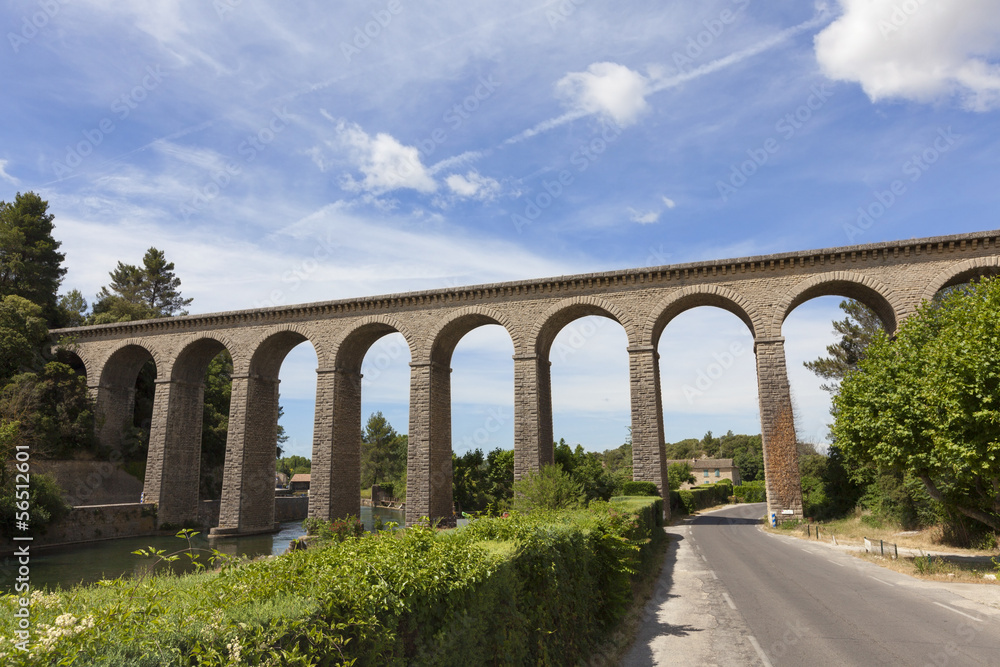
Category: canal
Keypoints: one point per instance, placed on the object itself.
(86, 563)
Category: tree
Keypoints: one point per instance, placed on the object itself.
(856, 333)
(215, 424)
(383, 452)
(72, 309)
(551, 487)
(282, 436)
(679, 474)
(138, 293)
(22, 334)
(160, 287)
(54, 409)
(929, 402)
(44, 502)
(293, 465)
(30, 261)
(587, 469)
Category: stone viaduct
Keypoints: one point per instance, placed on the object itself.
(892, 278)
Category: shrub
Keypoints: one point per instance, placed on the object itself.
(548, 488)
(543, 588)
(337, 530)
(751, 492)
(639, 489)
(45, 502)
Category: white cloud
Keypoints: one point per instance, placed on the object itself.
(5, 176)
(474, 185)
(643, 217)
(608, 89)
(917, 50)
(668, 202)
(386, 163)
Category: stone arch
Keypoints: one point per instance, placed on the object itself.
(351, 347)
(693, 297)
(123, 356)
(960, 273)
(269, 350)
(190, 364)
(75, 358)
(869, 291)
(114, 388)
(442, 343)
(552, 321)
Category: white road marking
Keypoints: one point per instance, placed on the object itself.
(977, 620)
(880, 581)
(836, 563)
(728, 600)
(760, 652)
(714, 575)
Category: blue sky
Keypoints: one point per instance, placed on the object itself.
(290, 153)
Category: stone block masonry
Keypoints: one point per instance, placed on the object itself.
(892, 278)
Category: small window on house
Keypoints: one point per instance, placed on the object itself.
(716, 472)
(706, 473)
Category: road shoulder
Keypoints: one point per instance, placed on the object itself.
(690, 618)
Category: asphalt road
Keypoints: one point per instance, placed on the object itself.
(734, 595)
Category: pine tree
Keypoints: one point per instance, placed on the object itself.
(138, 293)
(30, 261)
(160, 287)
(856, 331)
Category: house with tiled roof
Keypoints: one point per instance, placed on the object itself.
(299, 482)
(710, 471)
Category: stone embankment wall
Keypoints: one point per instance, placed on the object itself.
(93, 523)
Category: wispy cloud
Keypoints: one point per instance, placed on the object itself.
(614, 91)
(5, 176)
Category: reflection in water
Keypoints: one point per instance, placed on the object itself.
(86, 563)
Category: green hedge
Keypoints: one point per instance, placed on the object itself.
(632, 488)
(751, 492)
(544, 588)
(700, 497)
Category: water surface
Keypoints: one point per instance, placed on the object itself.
(86, 563)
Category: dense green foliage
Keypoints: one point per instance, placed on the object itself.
(746, 451)
(631, 488)
(833, 487)
(481, 483)
(30, 261)
(141, 292)
(215, 424)
(54, 410)
(856, 332)
(383, 453)
(679, 474)
(22, 336)
(293, 465)
(751, 492)
(486, 483)
(545, 588)
(550, 488)
(928, 402)
(599, 480)
(689, 501)
(40, 503)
